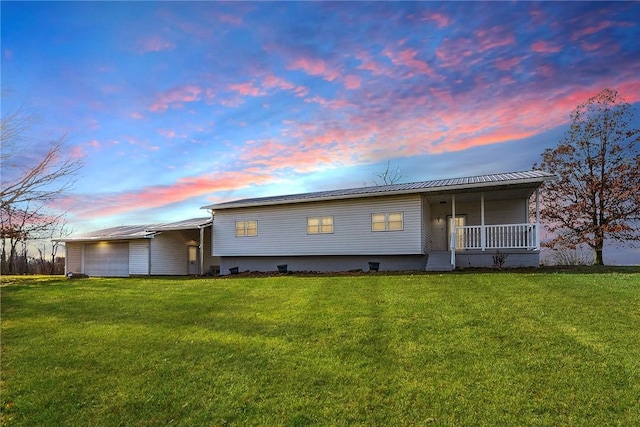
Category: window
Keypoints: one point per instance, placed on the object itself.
(387, 222)
(320, 225)
(246, 228)
(193, 254)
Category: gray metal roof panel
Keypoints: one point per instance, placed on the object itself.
(125, 232)
(187, 224)
(531, 177)
(133, 232)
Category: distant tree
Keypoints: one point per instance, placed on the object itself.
(597, 194)
(388, 176)
(29, 183)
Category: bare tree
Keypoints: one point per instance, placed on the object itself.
(29, 183)
(43, 180)
(597, 193)
(389, 176)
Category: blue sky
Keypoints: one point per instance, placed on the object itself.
(177, 105)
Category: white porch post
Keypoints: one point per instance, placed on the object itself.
(483, 231)
(453, 241)
(537, 219)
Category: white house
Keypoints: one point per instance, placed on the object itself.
(159, 249)
(432, 225)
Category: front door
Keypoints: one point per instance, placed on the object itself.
(193, 260)
(461, 221)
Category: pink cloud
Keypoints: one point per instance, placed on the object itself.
(77, 152)
(591, 47)
(440, 19)
(314, 67)
(246, 89)
(407, 58)
(271, 81)
(268, 83)
(368, 64)
(453, 53)
(253, 151)
(100, 205)
(493, 38)
(8, 54)
(507, 64)
(352, 81)
(545, 47)
(331, 104)
(170, 133)
(176, 97)
(578, 34)
(136, 115)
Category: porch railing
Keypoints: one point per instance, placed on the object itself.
(504, 236)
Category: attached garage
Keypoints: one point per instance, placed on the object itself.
(110, 259)
(155, 249)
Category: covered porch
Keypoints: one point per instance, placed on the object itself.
(467, 229)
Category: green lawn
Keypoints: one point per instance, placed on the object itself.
(484, 348)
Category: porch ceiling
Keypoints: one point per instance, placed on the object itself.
(474, 195)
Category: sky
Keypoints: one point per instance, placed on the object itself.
(176, 105)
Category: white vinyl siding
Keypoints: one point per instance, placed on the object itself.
(283, 228)
(170, 251)
(139, 257)
(109, 259)
(73, 257)
(426, 225)
(504, 212)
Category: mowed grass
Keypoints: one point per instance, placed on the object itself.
(465, 349)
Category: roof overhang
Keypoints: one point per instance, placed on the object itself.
(193, 224)
(137, 232)
(81, 239)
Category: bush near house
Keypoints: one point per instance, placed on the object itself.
(479, 348)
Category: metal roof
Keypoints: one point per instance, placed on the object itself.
(133, 232)
(188, 224)
(125, 232)
(529, 179)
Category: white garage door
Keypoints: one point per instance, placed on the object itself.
(107, 259)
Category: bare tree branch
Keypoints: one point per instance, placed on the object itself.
(29, 183)
(389, 176)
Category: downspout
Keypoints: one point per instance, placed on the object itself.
(201, 250)
(82, 258)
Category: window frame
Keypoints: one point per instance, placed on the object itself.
(375, 220)
(320, 224)
(244, 230)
